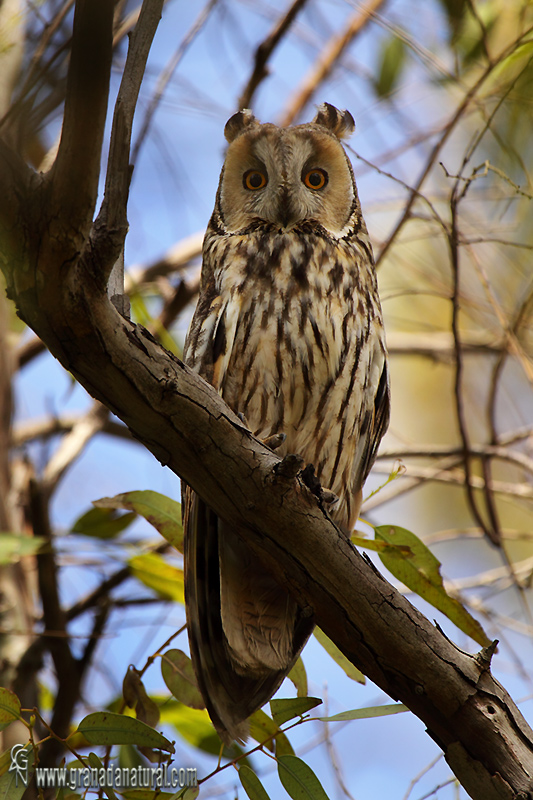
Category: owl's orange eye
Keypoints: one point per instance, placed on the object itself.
(316, 179)
(253, 179)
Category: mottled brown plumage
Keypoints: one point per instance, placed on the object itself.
(288, 328)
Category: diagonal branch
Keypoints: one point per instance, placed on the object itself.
(265, 50)
(112, 223)
(328, 59)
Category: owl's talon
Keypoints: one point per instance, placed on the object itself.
(311, 481)
(288, 467)
(243, 420)
(328, 497)
(274, 441)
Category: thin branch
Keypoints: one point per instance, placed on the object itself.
(483, 451)
(176, 259)
(167, 74)
(328, 59)
(433, 156)
(265, 50)
(73, 444)
(112, 224)
(43, 429)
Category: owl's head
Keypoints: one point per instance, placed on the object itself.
(286, 176)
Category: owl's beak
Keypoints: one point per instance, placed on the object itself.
(287, 214)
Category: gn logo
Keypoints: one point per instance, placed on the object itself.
(19, 763)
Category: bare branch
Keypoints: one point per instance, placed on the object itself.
(73, 445)
(29, 431)
(328, 59)
(265, 50)
(112, 224)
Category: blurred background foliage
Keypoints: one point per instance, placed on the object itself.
(442, 94)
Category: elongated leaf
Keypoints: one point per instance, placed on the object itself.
(188, 793)
(178, 674)
(9, 708)
(14, 545)
(299, 780)
(251, 784)
(392, 59)
(97, 763)
(160, 511)
(298, 676)
(136, 697)
(420, 571)
(262, 726)
(105, 727)
(102, 523)
(286, 709)
(146, 794)
(332, 650)
(165, 579)
(193, 725)
(366, 713)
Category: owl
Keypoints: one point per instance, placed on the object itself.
(288, 329)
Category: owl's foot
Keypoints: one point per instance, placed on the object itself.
(274, 441)
(311, 481)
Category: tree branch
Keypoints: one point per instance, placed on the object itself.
(265, 50)
(112, 223)
(183, 421)
(76, 171)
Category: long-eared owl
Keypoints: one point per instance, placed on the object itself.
(288, 329)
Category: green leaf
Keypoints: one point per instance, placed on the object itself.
(251, 784)
(104, 727)
(366, 713)
(141, 314)
(147, 794)
(165, 579)
(160, 511)
(102, 523)
(188, 793)
(96, 763)
(262, 727)
(178, 674)
(288, 708)
(299, 780)
(339, 658)
(298, 676)
(392, 58)
(193, 725)
(9, 708)
(15, 545)
(136, 697)
(369, 544)
(411, 562)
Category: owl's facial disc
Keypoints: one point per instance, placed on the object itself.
(285, 177)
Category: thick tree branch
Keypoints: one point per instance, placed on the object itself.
(76, 171)
(187, 426)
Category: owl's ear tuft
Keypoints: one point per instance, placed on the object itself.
(340, 123)
(238, 123)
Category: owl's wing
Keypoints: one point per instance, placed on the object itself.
(230, 696)
(375, 423)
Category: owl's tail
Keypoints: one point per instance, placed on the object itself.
(245, 631)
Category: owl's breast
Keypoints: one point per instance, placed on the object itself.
(295, 350)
